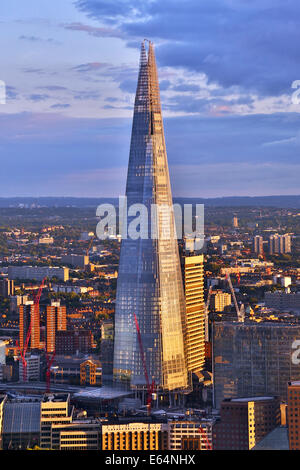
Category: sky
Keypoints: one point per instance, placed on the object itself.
(228, 72)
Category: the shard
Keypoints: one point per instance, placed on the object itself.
(149, 280)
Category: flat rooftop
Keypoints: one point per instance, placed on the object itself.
(102, 393)
(246, 399)
(55, 397)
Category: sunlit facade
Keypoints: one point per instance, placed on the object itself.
(149, 280)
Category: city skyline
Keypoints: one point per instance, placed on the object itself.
(228, 104)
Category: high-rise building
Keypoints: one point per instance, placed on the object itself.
(235, 221)
(244, 422)
(254, 359)
(193, 275)
(56, 320)
(29, 314)
(258, 244)
(280, 244)
(149, 281)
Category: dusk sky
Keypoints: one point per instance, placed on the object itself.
(226, 69)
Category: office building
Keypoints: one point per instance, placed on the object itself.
(56, 320)
(254, 359)
(149, 280)
(38, 272)
(244, 422)
(135, 436)
(55, 408)
(76, 261)
(193, 281)
(283, 301)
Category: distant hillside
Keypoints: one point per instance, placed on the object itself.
(234, 201)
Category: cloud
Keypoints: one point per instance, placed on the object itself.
(38, 97)
(60, 106)
(94, 31)
(38, 39)
(90, 67)
(252, 45)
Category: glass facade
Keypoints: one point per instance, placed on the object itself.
(253, 359)
(149, 279)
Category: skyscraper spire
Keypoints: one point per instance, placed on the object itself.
(149, 280)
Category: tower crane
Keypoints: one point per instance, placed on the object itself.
(89, 246)
(240, 311)
(150, 387)
(206, 327)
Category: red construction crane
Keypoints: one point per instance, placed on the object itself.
(49, 360)
(150, 387)
(22, 352)
(203, 432)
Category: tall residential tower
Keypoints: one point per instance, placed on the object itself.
(149, 280)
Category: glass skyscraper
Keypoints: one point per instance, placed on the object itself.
(149, 280)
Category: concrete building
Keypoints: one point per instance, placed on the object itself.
(244, 422)
(220, 300)
(182, 433)
(37, 272)
(33, 368)
(76, 261)
(135, 436)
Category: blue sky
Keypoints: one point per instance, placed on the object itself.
(225, 66)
